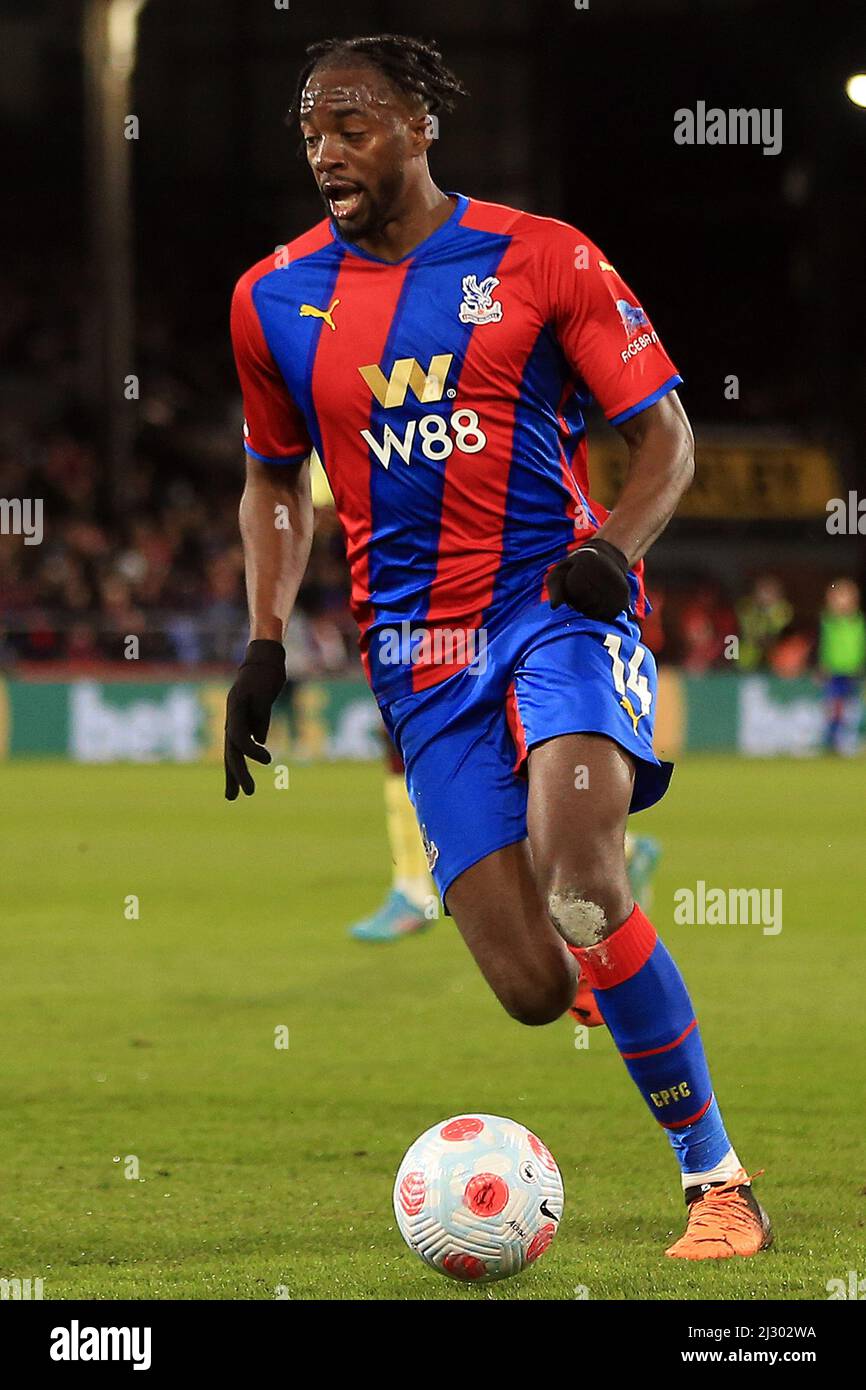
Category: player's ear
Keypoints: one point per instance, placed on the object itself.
(422, 132)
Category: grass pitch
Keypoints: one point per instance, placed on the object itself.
(266, 1172)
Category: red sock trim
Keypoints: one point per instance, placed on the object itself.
(692, 1119)
(654, 1051)
(620, 955)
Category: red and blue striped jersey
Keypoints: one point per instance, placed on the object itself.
(445, 394)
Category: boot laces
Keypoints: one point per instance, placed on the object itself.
(705, 1211)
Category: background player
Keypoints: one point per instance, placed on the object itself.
(842, 662)
(523, 769)
(409, 906)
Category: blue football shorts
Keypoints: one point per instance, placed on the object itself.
(465, 742)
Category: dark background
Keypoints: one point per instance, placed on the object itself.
(749, 264)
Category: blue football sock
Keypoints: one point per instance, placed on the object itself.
(645, 1004)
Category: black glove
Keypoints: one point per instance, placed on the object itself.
(248, 712)
(593, 579)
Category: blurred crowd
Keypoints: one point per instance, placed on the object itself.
(704, 628)
(171, 572)
(169, 568)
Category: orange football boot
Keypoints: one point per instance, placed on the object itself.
(725, 1219)
(584, 1009)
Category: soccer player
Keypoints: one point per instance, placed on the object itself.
(842, 663)
(440, 353)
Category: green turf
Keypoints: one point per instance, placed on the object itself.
(262, 1168)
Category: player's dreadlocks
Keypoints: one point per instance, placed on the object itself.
(410, 64)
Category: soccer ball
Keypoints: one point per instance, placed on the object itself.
(478, 1197)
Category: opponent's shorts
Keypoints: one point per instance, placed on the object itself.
(465, 742)
(842, 687)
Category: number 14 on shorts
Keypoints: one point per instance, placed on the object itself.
(629, 682)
